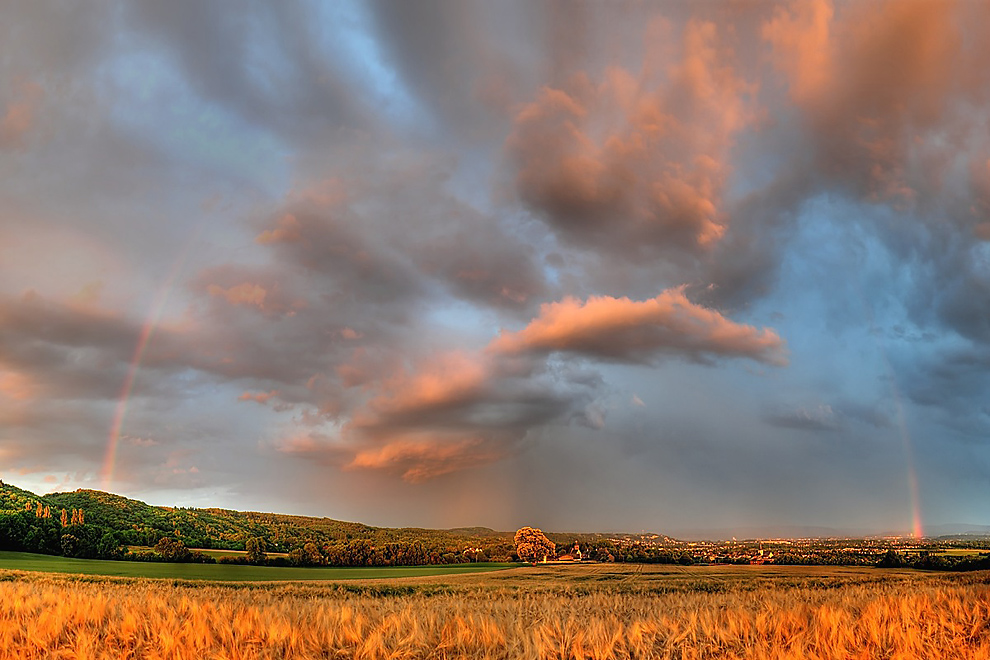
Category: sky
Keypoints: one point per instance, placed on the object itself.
(622, 266)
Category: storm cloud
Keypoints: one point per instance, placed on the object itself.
(461, 263)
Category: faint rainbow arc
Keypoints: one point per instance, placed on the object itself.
(914, 497)
(147, 330)
(917, 529)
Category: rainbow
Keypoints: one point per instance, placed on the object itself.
(914, 498)
(147, 330)
(917, 531)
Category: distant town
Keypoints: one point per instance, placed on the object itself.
(936, 553)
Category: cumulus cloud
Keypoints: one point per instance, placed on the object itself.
(874, 103)
(418, 459)
(457, 410)
(814, 418)
(331, 211)
(17, 386)
(635, 161)
(477, 407)
(344, 229)
(258, 397)
(20, 115)
(800, 35)
(871, 81)
(446, 381)
(286, 230)
(250, 288)
(64, 351)
(241, 294)
(291, 89)
(624, 330)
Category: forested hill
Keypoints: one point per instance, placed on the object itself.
(139, 523)
(136, 523)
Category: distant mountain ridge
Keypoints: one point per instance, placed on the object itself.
(821, 532)
(958, 529)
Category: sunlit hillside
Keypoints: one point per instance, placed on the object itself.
(137, 523)
(141, 523)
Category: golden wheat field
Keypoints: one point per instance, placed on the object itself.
(927, 617)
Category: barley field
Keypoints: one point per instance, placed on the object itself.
(797, 615)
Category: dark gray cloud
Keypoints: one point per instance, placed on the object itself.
(635, 161)
(404, 251)
(814, 418)
(878, 415)
(263, 63)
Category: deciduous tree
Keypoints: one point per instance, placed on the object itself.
(170, 549)
(532, 545)
(256, 550)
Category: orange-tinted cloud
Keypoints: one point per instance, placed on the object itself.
(456, 410)
(446, 380)
(17, 386)
(19, 115)
(241, 294)
(624, 330)
(418, 458)
(636, 161)
(872, 81)
(257, 288)
(286, 230)
(802, 47)
(461, 409)
(414, 456)
(258, 397)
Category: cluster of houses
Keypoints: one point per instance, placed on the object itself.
(573, 555)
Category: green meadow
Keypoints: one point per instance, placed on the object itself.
(25, 561)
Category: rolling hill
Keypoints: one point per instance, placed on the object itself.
(138, 523)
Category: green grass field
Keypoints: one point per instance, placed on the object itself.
(974, 553)
(24, 561)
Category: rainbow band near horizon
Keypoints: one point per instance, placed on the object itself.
(917, 530)
(147, 330)
(914, 497)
